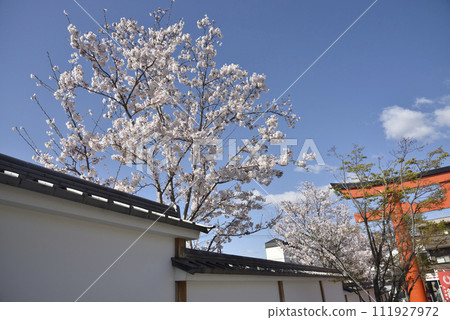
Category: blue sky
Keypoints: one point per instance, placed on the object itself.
(388, 76)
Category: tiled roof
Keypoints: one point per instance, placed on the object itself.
(440, 266)
(197, 261)
(438, 243)
(273, 243)
(25, 175)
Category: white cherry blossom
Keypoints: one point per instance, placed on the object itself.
(154, 92)
(318, 230)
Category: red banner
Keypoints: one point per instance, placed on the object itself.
(444, 279)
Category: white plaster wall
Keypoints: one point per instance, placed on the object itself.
(276, 254)
(353, 297)
(303, 289)
(215, 287)
(333, 291)
(46, 257)
(232, 291)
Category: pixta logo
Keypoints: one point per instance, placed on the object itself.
(228, 151)
(216, 150)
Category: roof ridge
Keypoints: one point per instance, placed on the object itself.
(195, 253)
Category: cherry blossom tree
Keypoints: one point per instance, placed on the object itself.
(318, 229)
(154, 99)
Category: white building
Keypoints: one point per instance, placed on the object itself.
(63, 239)
(275, 252)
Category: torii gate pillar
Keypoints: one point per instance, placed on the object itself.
(416, 286)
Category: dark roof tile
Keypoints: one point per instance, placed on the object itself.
(197, 261)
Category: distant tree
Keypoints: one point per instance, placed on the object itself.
(154, 98)
(431, 237)
(391, 203)
(320, 230)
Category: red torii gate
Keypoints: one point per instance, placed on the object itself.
(439, 176)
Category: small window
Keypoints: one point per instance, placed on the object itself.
(443, 259)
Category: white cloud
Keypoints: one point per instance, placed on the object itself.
(276, 199)
(421, 101)
(400, 123)
(316, 169)
(443, 116)
(445, 100)
(351, 177)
